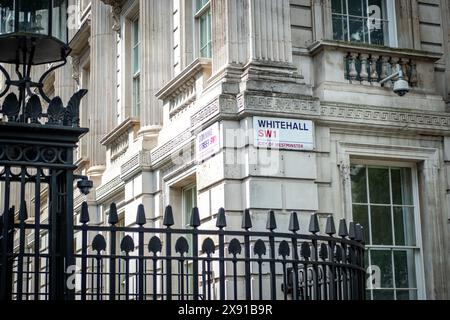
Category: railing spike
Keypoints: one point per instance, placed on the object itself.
(221, 219)
(314, 224)
(271, 221)
(168, 217)
(330, 228)
(141, 219)
(84, 216)
(352, 231)
(247, 220)
(195, 218)
(294, 226)
(23, 213)
(113, 218)
(343, 231)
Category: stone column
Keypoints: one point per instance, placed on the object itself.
(64, 82)
(318, 20)
(156, 60)
(249, 30)
(229, 33)
(103, 82)
(270, 30)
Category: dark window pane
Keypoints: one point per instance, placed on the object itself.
(383, 260)
(383, 295)
(405, 271)
(404, 226)
(201, 4)
(358, 30)
(339, 28)
(406, 294)
(355, 7)
(338, 6)
(359, 184)
(378, 32)
(361, 216)
(402, 186)
(381, 225)
(379, 186)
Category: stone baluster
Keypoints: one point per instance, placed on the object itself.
(404, 65)
(395, 62)
(384, 67)
(386, 70)
(413, 79)
(373, 68)
(352, 73)
(364, 74)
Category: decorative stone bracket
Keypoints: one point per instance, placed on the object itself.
(116, 11)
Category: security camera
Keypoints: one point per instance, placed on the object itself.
(401, 87)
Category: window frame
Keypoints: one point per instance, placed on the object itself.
(186, 215)
(418, 248)
(199, 13)
(390, 18)
(135, 44)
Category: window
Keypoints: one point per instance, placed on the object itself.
(189, 203)
(120, 263)
(136, 68)
(367, 21)
(189, 196)
(384, 203)
(204, 22)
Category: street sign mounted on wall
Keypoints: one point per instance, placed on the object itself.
(278, 133)
(208, 142)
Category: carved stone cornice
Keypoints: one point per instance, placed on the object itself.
(80, 40)
(365, 48)
(388, 117)
(182, 90)
(109, 189)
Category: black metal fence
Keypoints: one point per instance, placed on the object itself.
(140, 263)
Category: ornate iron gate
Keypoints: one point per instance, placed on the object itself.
(148, 263)
(38, 260)
(36, 185)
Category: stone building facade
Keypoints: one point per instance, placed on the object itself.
(164, 75)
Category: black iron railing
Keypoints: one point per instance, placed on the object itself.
(140, 263)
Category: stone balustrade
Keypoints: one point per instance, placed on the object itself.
(374, 67)
(364, 64)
